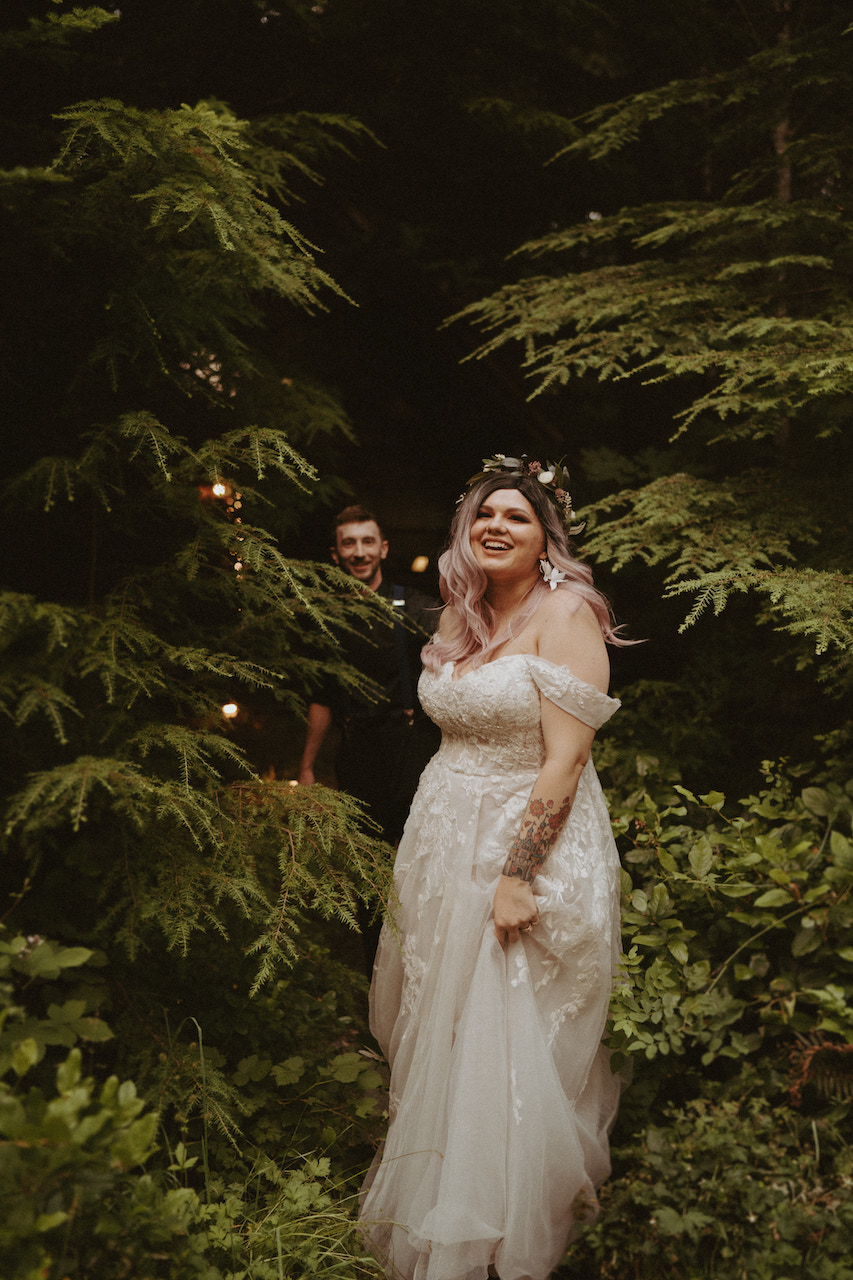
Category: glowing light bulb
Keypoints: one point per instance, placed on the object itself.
(420, 564)
(219, 490)
(230, 710)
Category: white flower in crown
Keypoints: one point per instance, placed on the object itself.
(552, 574)
(545, 477)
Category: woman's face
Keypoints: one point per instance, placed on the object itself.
(506, 537)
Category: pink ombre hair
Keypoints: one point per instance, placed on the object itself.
(463, 583)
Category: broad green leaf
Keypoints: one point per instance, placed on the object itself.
(667, 861)
(136, 1142)
(842, 850)
(817, 801)
(289, 1072)
(25, 1055)
(68, 1073)
(774, 898)
(701, 858)
(47, 1221)
(347, 1067)
(805, 941)
(48, 959)
(253, 1068)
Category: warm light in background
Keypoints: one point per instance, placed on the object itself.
(420, 564)
(230, 710)
(219, 490)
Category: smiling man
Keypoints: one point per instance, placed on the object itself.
(384, 745)
(359, 546)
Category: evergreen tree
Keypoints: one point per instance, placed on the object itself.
(728, 295)
(156, 434)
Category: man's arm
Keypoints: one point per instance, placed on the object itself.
(319, 720)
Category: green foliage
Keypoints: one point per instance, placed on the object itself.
(167, 242)
(56, 30)
(77, 1198)
(736, 927)
(731, 1156)
(733, 300)
(184, 166)
(135, 817)
(729, 1188)
(284, 1072)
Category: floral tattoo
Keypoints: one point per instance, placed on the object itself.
(541, 825)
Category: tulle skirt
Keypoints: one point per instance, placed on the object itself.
(501, 1093)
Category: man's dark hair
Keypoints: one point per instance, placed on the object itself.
(356, 514)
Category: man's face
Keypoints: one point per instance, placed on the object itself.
(359, 550)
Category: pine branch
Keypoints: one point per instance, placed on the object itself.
(62, 795)
(56, 30)
(22, 699)
(816, 604)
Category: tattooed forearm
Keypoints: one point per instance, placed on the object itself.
(542, 823)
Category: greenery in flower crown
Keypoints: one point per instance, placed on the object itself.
(554, 478)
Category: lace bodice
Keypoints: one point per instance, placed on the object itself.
(490, 718)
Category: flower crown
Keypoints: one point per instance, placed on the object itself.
(554, 479)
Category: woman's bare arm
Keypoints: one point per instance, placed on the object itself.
(571, 639)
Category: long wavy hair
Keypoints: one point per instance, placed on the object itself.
(463, 583)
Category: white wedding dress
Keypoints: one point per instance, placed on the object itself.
(501, 1093)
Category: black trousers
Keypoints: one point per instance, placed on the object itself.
(380, 762)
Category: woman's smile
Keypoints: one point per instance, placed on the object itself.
(507, 533)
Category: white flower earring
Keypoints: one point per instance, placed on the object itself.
(551, 575)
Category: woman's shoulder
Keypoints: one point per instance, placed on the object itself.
(565, 607)
(569, 635)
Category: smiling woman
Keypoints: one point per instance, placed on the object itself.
(491, 988)
(506, 537)
(478, 623)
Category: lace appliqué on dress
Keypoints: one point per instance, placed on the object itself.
(501, 1094)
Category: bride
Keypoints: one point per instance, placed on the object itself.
(493, 975)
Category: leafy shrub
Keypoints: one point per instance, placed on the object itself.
(283, 1071)
(736, 928)
(734, 1189)
(76, 1198)
(736, 1009)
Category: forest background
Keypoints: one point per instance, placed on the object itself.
(233, 235)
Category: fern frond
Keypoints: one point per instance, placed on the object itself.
(63, 794)
(29, 697)
(813, 603)
(22, 615)
(56, 29)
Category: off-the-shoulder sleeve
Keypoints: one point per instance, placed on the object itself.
(560, 686)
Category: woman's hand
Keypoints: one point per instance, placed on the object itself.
(515, 908)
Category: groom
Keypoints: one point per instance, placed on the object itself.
(384, 745)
